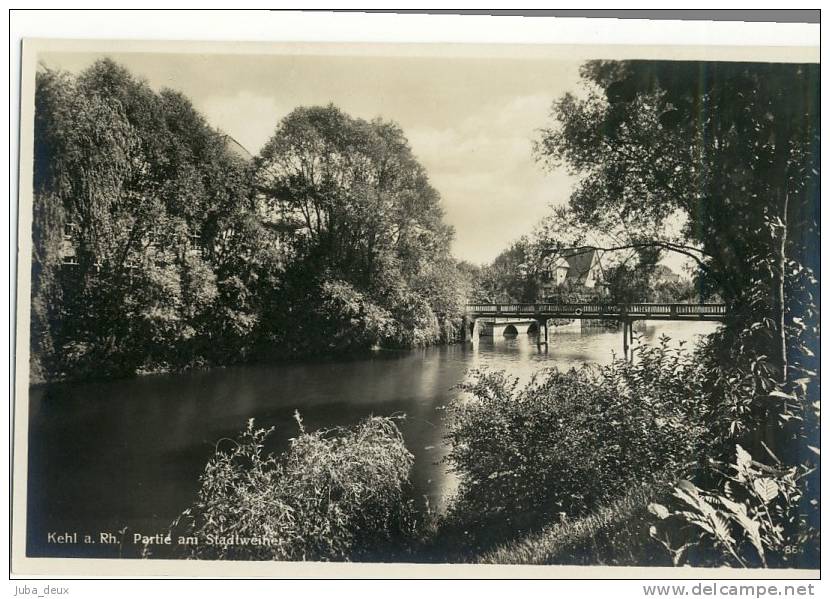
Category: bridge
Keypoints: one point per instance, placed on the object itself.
(626, 314)
(507, 326)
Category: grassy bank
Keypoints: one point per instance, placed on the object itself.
(616, 534)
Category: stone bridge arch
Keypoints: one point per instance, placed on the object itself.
(509, 330)
(479, 326)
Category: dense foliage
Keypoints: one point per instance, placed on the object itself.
(647, 282)
(332, 495)
(729, 145)
(363, 216)
(731, 151)
(568, 442)
(753, 519)
(131, 184)
(158, 244)
(509, 277)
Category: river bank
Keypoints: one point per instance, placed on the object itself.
(151, 436)
(450, 334)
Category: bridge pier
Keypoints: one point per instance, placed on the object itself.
(625, 331)
(498, 328)
(628, 338)
(542, 335)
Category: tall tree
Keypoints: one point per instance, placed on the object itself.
(368, 230)
(355, 190)
(732, 147)
(145, 190)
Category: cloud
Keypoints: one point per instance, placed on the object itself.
(493, 190)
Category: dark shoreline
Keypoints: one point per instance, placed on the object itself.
(314, 358)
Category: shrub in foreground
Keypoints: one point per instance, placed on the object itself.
(570, 441)
(753, 518)
(332, 495)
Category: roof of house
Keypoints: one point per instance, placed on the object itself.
(663, 272)
(237, 149)
(578, 262)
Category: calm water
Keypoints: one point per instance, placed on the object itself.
(107, 455)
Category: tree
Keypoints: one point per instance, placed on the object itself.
(364, 218)
(729, 146)
(512, 276)
(733, 149)
(87, 157)
(145, 189)
(355, 191)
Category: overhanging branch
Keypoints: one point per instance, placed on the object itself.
(694, 253)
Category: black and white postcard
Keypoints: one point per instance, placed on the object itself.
(321, 307)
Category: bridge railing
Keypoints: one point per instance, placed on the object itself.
(594, 309)
(701, 309)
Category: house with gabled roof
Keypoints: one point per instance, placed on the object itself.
(573, 268)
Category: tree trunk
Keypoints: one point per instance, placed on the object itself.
(782, 306)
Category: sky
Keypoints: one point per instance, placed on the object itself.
(470, 121)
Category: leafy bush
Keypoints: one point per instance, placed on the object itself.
(569, 441)
(332, 495)
(752, 520)
(415, 323)
(762, 390)
(348, 318)
(315, 313)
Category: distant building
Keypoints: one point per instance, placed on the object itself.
(574, 268)
(664, 274)
(237, 149)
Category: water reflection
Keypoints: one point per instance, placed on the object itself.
(129, 453)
